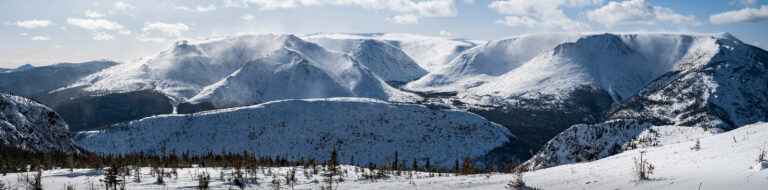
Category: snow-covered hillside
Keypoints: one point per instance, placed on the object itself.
(368, 129)
(32, 126)
(431, 53)
(725, 161)
(33, 80)
(582, 143)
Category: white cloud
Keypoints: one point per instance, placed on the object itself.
(524, 7)
(746, 3)
(41, 38)
(469, 1)
(446, 34)
(424, 8)
(406, 19)
(145, 38)
(102, 36)
(94, 24)
(248, 17)
(122, 5)
(529, 7)
(93, 14)
(125, 32)
(518, 21)
(436, 8)
(197, 9)
(24, 34)
(57, 46)
(637, 12)
(541, 14)
(235, 4)
(34, 23)
(581, 3)
(548, 20)
(745, 15)
(167, 28)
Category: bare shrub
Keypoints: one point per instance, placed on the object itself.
(642, 169)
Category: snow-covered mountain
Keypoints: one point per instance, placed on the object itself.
(487, 61)
(431, 53)
(620, 64)
(29, 125)
(710, 81)
(575, 82)
(368, 129)
(722, 85)
(304, 70)
(226, 72)
(385, 60)
(195, 71)
(34, 80)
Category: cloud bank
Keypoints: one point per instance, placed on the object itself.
(745, 15)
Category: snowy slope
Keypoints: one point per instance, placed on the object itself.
(620, 64)
(584, 143)
(487, 61)
(30, 81)
(29, 125)
(431, 53)
(203, 71)
(581, 143)
(382, 58)
(369, 129)
(724, 85)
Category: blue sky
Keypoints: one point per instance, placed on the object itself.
(45, 32)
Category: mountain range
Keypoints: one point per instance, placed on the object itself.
(558, 98)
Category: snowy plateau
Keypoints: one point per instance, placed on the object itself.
(564, 111)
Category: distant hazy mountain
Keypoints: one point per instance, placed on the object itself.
(28, 81)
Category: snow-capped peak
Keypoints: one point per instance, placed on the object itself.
(193, 70)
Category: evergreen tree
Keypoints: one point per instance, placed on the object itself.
(333, 170)
(468, 167)
(394, 163)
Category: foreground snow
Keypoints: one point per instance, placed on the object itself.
(725, 161)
